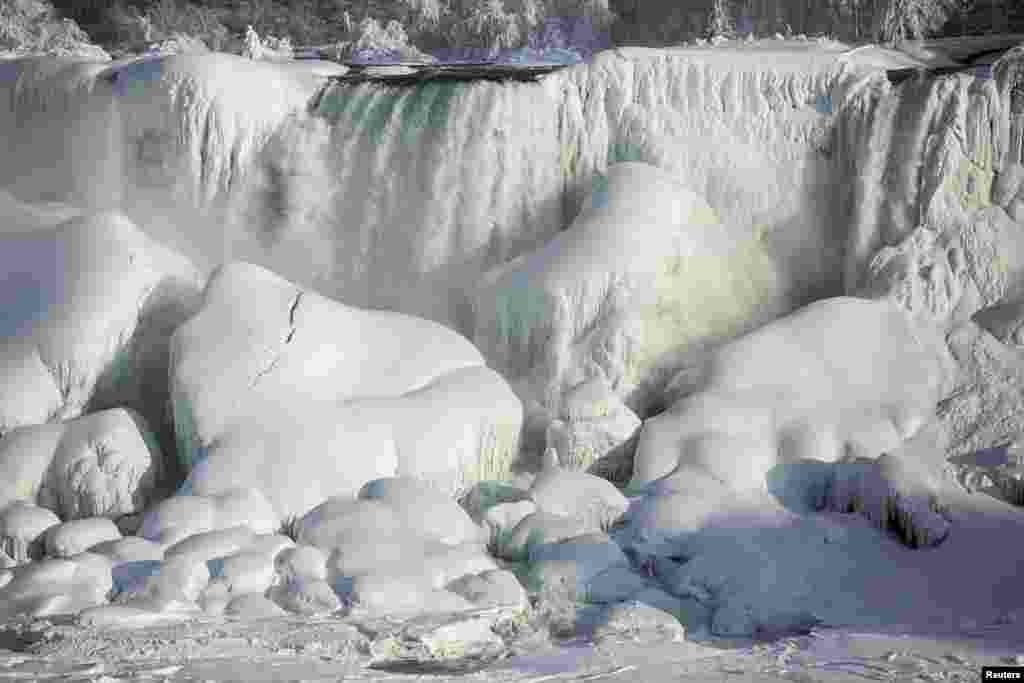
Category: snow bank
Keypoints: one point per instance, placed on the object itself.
(94, 303)
(399, 395)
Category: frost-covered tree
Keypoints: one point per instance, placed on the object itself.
(911, 19)
(720, 21)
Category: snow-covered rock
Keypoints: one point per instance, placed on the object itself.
(105, 464)
(22, 526)
(57, 586)
(636, 620)
(486, 495)
(245, 572)
(609, 295)
(302, 561)
(129, 549)
(839, 374)
(399, 395)
(491, 588)
(593, 424)
(77, 536)
(181, 516)
(209, 545)
(399, 594)
(342, 521)
(423, 509)
(96, 303)
(1015, 210)
(306, 596)
(540, 527)
(568, 493)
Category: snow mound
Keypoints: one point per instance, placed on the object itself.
(608, 296)
(56, 586)
(72, 538)
(568, 493)
(96, 302)
(22, 526)
(104, 464)
(839, 375)
(180, 517)
(399, 395)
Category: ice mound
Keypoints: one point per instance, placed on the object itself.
(77, 536)
(594, 424)
(55, 586)
(180, 517)
(608, 296)
(105, 464)
(22, 526)
(839, 375)
(96, 302)
(399, 395)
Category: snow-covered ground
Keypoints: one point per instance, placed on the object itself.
(300, 379)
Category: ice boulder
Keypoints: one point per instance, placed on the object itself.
(77, 536)
(643, 269)
(90, 306)
(424, 509)
(56, 586)
(841, 375)
(103, 464)
(570, 493)
(594, 424)
(280, 389)
(179, 517)
(22, 529)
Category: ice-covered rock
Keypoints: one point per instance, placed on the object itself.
(838, 375)
(636, 620)
(424, 509)
(129, 549)
(305, 595)
(593, 424)
(491, 588)
(245, 572)
(176, 579)
(209, 545)
(568, 493)
(96, 302)
(486, 495)
(270, 545)
(396, 594)
(539, 527)
(924, 274)
(57, 586)
(610, 294)
(181, 516)
(302, 561)
(992, 246)
(433, 641)
(401, 395)
(342, 521)
(105, 464)
(22, 526)
(77, 536)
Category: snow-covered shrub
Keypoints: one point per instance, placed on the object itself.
(374, 43)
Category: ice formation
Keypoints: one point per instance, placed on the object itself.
(600, 232)
(369, 394)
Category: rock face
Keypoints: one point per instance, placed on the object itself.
(96, 302)
(609, 296)
(369, 394)
(105, 464)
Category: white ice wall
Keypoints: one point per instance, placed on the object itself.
(401, 197)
